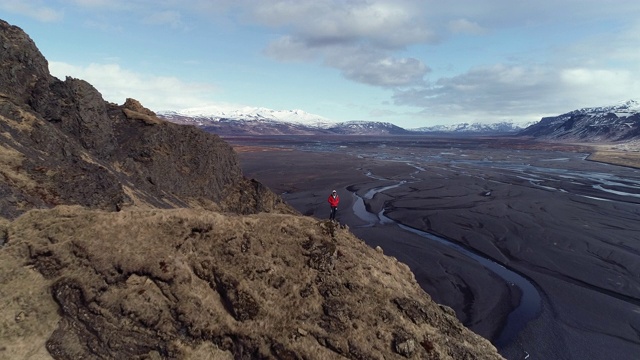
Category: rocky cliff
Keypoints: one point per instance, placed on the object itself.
(63, 144)
(123, 236)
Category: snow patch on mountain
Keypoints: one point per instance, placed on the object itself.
(621, 110)
(355, 124)
(216, 113)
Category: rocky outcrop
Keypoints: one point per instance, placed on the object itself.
(63, 144)
(150, 284)
(123, 236)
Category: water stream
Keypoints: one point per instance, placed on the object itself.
(530, 302)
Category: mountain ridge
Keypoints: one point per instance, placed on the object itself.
(213, 113)
(261, 121)
(615, 123)
(499, 127)
(258, 124)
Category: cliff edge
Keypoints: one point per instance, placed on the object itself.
(123, 236)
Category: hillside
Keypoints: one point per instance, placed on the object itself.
(598, 124)
(184, 283)
(123, 236)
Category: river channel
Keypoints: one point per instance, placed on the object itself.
(530, 301)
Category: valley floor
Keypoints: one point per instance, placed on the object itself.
(565, 229)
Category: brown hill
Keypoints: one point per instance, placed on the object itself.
(126, 237)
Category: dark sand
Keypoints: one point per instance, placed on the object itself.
(568, 225)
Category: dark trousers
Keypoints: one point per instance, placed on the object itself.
(332, 216)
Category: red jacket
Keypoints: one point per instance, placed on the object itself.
(333, 201)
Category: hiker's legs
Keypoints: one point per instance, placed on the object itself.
(332, 216)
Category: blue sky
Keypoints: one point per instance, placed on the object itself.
(412, 63)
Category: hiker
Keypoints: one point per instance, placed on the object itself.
(334, 199)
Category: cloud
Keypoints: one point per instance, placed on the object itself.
(362, 64)
(155, 92)
(321, 29)
(390, 24)
(600, 84)
(388, 72)
(496, 91)
(599, 68)
(520, 92)
(365, 41)
(371, 67)
(358, 38)
(36, 10)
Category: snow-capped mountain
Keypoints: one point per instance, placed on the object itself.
(619, 122)
(205, 115)
(608, 123)
(367, 128)
(262, 121)
(501, 127)
(621, 110)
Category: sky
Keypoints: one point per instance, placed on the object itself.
(412, 63)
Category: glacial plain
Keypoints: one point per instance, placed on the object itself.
(535, 245)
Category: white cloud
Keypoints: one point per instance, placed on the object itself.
(602, 86)
(362, 64)
(520, 92)
(599, 68)
(374, 68)
(358, 38)
(494, 91)
(155, 92)
(392, 24)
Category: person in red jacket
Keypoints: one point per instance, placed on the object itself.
(334, 199)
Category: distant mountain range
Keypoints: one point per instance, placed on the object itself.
(611, 123)
(261, 121)
(500, 127)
